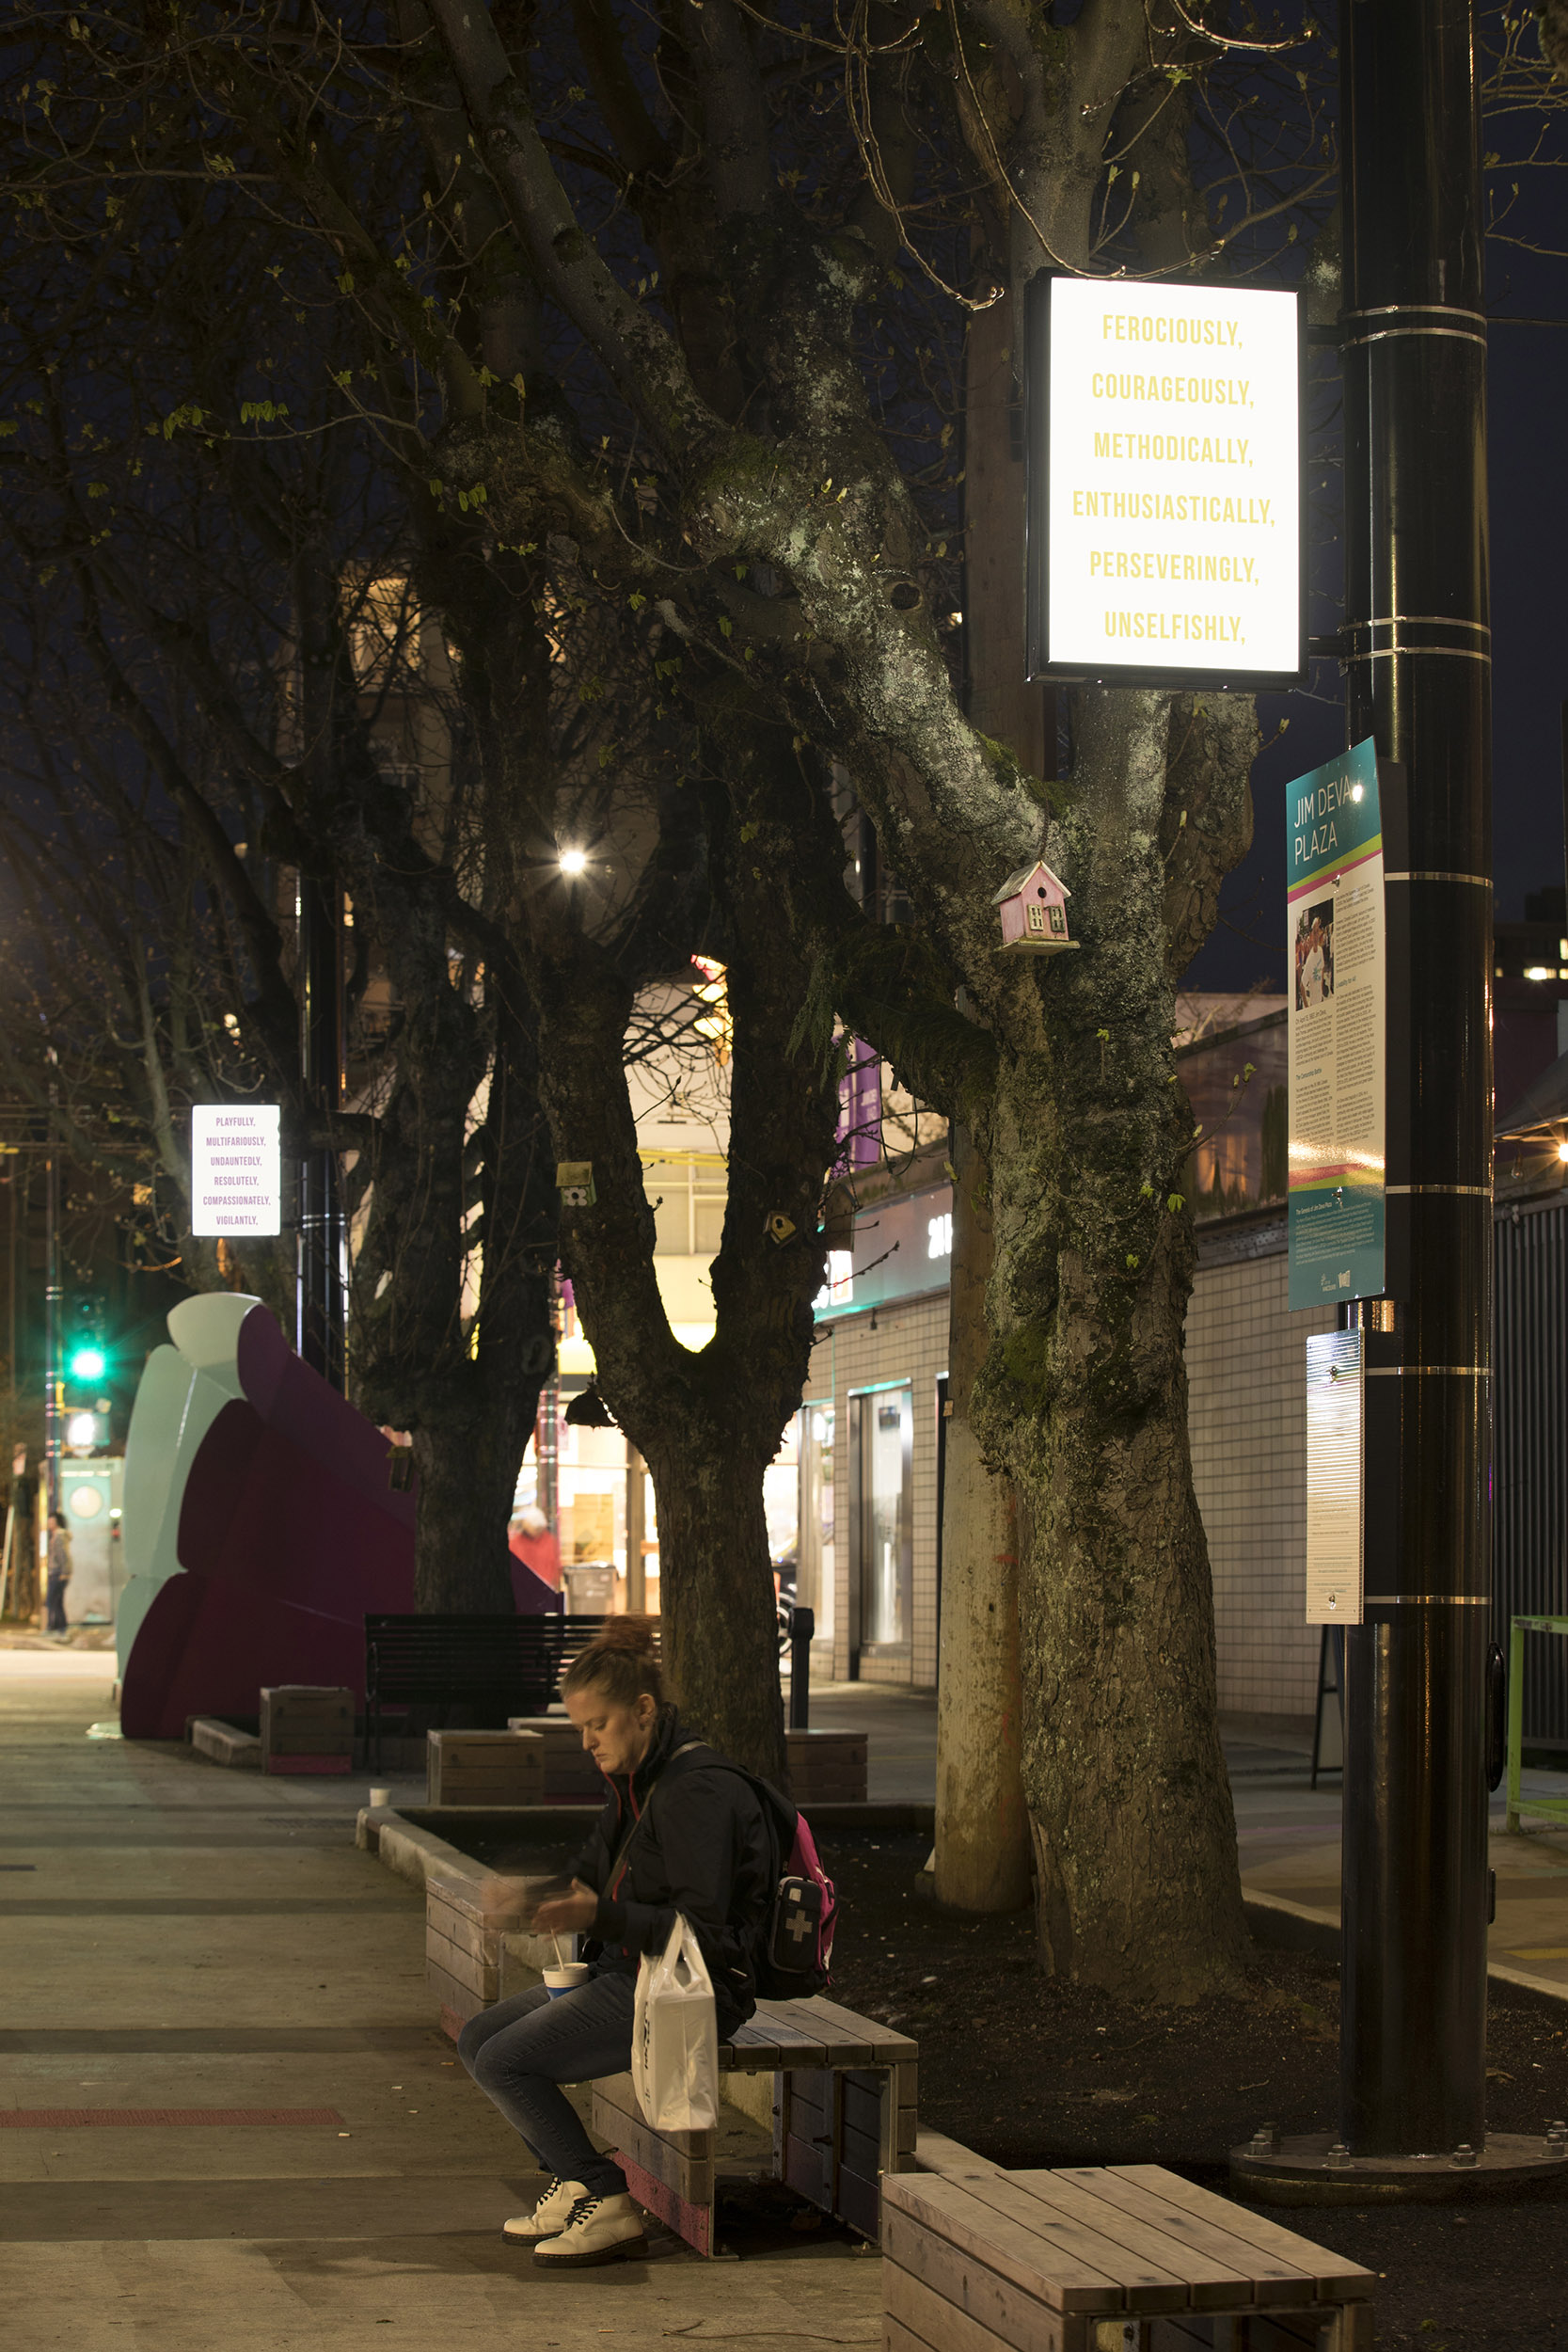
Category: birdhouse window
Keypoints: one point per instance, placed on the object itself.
(1034, 916)
(1058, 923)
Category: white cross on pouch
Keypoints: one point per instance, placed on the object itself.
(798, 1928)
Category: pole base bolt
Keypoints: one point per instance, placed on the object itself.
(1463, 2154)
(1265, 2140)
(1339, 2153)
(1556, 2133)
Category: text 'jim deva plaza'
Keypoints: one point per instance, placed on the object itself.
(1165, 498)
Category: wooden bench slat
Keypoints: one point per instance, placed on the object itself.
(952, 2280)
(617, 2093)
(882, 2044)
(1212, 2285)
(1332, 2274)
(795, 2046)
(1148, 2284)
(749, 2051)
(964, 2214)
(1273, 2280)
(933, 2324)
(935, 2153)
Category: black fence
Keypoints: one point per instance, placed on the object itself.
(1530, 1451)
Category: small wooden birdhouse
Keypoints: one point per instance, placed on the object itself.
(1034, 911)
(573, 1181)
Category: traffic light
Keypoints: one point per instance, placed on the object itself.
(88, 1349)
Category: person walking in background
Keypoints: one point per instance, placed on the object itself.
(59, 1574)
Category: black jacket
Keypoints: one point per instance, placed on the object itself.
(705, 1847)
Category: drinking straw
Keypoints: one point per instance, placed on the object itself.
(555, 1940)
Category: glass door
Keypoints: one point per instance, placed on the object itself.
(884, 1521)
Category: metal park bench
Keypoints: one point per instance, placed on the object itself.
(498, 1666)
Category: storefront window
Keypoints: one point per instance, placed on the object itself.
(885, 1449)
(1235, 1084)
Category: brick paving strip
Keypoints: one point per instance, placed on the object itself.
(67, 2118)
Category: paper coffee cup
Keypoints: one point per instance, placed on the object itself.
(380, 1800)
(565, 1980)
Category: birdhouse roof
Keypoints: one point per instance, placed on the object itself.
(1017, 882)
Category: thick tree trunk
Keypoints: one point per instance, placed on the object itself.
(720, 1635)
(468, 1475)
(1084, 1394)
(982, 1826)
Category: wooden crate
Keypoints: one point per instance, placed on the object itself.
(479, 1768)
(1089, 2257)
(571, 1775)
(307, 1727)
(827, 1767)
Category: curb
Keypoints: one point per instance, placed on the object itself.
(1293, 1928)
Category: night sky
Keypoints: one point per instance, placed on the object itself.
(1528, 396)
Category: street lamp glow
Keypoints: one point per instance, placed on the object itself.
(574, 861)
(1562, 1148)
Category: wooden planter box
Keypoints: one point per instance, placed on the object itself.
(571, 1775)
(485, 1767)
(827, 1768)
(307, 1727)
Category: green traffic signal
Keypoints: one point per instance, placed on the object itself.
(89, 1363)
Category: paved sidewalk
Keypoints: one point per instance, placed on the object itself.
(309, 2168)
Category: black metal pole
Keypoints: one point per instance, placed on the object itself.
(802, 1631)
(1413, 2037)
(321, 1319)
(52, 1295)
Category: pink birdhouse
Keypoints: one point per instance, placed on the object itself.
(1034, 911)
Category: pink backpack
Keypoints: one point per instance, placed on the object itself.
(796, 1956)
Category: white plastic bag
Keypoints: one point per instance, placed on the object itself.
(674, 2040)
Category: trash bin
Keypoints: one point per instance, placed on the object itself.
(589, 1588)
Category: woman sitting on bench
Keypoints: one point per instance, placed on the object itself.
(705, 1851)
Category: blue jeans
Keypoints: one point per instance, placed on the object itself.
(520, 2053)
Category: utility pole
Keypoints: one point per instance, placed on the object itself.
(52, 1296)
(320, 1338)
(1413, 2040)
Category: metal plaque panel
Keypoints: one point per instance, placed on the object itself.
(1336, 1407)
(1336, 974)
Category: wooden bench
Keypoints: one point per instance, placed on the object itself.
(844, 2118)
(1092, 2256)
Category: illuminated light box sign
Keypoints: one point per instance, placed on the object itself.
(1164, 483)
(236, 1177)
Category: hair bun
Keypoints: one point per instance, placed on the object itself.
(635, 1635)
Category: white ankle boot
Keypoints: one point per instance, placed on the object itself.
(549, 2216)
(600, 2230)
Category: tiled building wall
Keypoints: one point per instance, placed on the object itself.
(1246, 1376)
(908, 1342)
(1247, 1368)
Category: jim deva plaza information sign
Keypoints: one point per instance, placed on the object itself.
(236, 1179)
(1165, 489)
(1336, 973)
